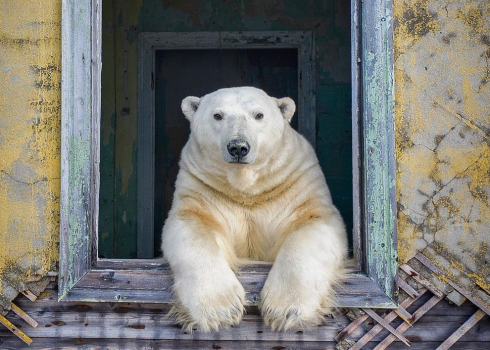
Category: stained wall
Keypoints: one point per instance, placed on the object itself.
(442, 71)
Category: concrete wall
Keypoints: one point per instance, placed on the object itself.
(442, 58)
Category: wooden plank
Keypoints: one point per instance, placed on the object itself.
(477, 316)
(406, 287)
(476, 299)
(415, 275)
(18, 311)
(116, 316)
(106, 229)
(146, 149)
(21, 335)
(440, 284)
(78, 156)
(154, 286)
(357, 162)
(378, 144)
(132, 344)
(29, 295)
(404, 315)
(366, 338)
(387, 326)
(351, 327)
(11, 343)
(306, 87)
(156, 325)
(404, 326)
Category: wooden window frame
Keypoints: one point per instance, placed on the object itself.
(150, 42)
(86, 277)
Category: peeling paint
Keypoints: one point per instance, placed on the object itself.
(29, 140)
(443, 124)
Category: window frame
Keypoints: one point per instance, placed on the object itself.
(85, 277)
(150, 42)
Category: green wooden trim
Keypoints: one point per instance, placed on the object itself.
(378, 146)
(81, 28)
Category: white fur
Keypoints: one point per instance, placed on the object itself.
(276, 208)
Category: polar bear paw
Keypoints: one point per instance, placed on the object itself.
(210, 313)
(283, 311)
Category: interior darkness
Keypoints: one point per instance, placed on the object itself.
(182, 73)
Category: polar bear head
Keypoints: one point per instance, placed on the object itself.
(238, 125)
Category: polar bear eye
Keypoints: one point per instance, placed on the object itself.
(259, 116)
(217, 116)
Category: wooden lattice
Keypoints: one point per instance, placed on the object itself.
(438, 284)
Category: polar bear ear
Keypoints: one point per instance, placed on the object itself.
(189, 106)
(287, 107)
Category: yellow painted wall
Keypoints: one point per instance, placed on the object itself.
(30, 78)
(442, 73)
(442, 60)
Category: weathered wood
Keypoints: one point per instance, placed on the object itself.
(404, 314)
(12, 343)
(439, 283)
(113, 319)
(154, 286)
(351, 327)
(479, 299)
(477, 316)
(19, 312)
(80, 276)
(415, 275)
(146, 149)
(366, 338)
(79, 152)
(386, 325)
(357, 163)
(406, 287)
(378, 144)
(12, 328)
(404, 326)
(29, 295)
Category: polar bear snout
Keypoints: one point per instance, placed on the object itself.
(238, 150)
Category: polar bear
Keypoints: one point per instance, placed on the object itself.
(250, 188)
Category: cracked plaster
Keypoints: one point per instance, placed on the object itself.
(442, 55)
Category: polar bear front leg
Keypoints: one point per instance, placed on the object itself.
(299, 289)
(208, 294)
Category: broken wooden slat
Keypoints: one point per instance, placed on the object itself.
(477, 316)
(386, 325)
(15, 330)
(415, 275)
(406, 287)
(24, 316)
(388, 318)
(404, 326)
(404, 314)
(351, 327)
(474, 299)
(29, 295)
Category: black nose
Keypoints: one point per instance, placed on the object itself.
(238, 148)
